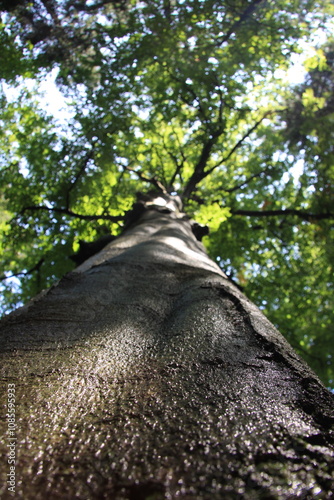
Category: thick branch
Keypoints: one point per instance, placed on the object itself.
(199, 173)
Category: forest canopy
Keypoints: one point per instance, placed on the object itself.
(190, 97)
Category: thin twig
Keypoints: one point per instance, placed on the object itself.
(309, 217)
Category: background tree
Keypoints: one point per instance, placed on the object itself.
(185, 97)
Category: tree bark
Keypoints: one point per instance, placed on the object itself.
(145, 374)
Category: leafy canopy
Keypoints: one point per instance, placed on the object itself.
(182, 96)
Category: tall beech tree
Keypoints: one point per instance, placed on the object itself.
(191, 96)
(145, 373)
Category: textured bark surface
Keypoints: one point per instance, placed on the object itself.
(145, 374)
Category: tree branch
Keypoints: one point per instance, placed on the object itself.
(83, 7)
(244, 183)
(245, 15)
(199, 173)
(36, 267)
(178, 168)
(309, 217)
(152, 180)
(66, 211)
(191, 91)
(240, 142)
(81, 171)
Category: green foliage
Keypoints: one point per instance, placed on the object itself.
(15, 58)
(188, 96)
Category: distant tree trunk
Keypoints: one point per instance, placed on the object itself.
(145, 374)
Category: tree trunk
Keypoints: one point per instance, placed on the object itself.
(145, 374)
